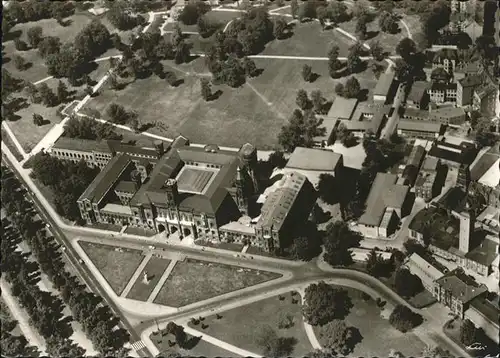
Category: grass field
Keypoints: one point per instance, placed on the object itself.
(192, 281)
(241, 325)
(195, 348)
(10, 144)
(378, 336)
(155, 268)
(309, 40)
(116, 267)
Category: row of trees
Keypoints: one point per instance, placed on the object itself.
(44, 94)
(300, 130)
(122, 16)
(335, 12)
(32, 10)
(13, 345)
(88, 128)
(68, 185)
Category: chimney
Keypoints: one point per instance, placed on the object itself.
(159, 148)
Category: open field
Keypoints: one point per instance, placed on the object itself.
(192, 281)
(309, 40)
(240, 326)
(378, 336)
(116, 267)
(254, 112)
(155, 268)
(195, 347)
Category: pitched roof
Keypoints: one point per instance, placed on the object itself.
(461, 286)
(384, 84)
(418, 263)
(490, 217)
(384, 193)
(492, 176)
(416, 113)
(106, 178)
(485, 253)
(313, 159)
(126, 186)
(420, 126)
(418, 90)
(472, 80)
(416, 156)
(84, 145)
(485, 159)
(430, 164)
(342, 108)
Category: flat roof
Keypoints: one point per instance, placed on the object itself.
(314, 159)
(430, 164)
(384, 193)
(328, 125)
(420, 126)
(384, 84)
(126, 186)
(83, 145)
(194, 180)
(116, 209)
(416, 113)
(447, 112)
(342, 108)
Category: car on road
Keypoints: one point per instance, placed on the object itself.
(47, 226)
(151, 247)
(81, 261)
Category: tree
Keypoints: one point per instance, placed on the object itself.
(206, 89)
(406, 48)
(285, 320)
(377, 51)
(354, 62)
(338, 239)
(334, 63)
(317, 101)
(484, 134)
(249, 67)
(307, 73)
(64, 348)
(272, 344)
(305, 248)
(49, 45)
(171, 78)
(388, 22)
(192, 12)
(361, 28)
(322, 301)
(337, 336)
(47, 95)
(404, 319)
(352, 88)
(19, 44)
(277, 159)
(177, 35)
(326, 188)
(280, 28)
(182, 52)
(206, 27)
(34, 35)
(62, 92)
(44, 167)
(300, 131)
(37, 119)
(468, 332)
(294, 8)
(302, 100)
(337, 11)
(435, 352)
(322, 15)
(117, 113)
(19, 62)
(339, 89)
(307, 10)
(375, 264)
(407, 284)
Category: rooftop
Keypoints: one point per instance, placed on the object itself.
(116, 209)
(342, 108)
(430, 164)
(483, 162)
(417, 261)
(126, 186)
(83, 145)
(329, 125)
(239, 227)
(420, 126)
(485, 253)
(447, 112)
(193, 179)
(490, 217)
(442, 229)
(492, 176)
(461, 286)
(384, 193)
(416, 113)
(106, 178)
(314, 159)
(471, 81)
(489, 308)
(418, 90)
(384, 84)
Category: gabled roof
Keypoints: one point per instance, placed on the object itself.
(420, 126)
(313, 159)
(418, 90)
(384, 84)
(384, 193)
(84, 145)
(461, 286)
(483, 162)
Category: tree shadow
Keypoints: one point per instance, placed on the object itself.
(286, 346)
(11, 35)
(18, 103)
(371, 34)
(215, 95)
(27, 66)
(179, 82)
(314, 77)
(45, 121)
(343, 304)
(191, 58)
(65, 22)
(354, 338)
(191, 342)
(144, 127)
(363, 95)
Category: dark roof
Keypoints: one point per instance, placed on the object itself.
(384, 193)
(454, 199)
(438, 86)
(416, 156)
(463, 153)
(106, 178)
(430, 164)
(461, 286)
(420, 126)
(83, 145)
(179, 142)
(416, 113)
(489, 308)
(117, 146)
(126, 186)
(418, 90)
(444, 228)
(384, 84)
(485, 253)
(472, 80)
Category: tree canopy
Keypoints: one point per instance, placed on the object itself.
(338, 239)
(300, 130)
(324, 303)
(404, 319)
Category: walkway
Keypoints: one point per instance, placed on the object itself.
(21, 317)
(136, 275)
(162, 280)
(219, 343)
(309, 329)
(18, 145)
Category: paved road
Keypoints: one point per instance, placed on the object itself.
(83, 271)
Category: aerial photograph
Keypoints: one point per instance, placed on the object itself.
(250, 178)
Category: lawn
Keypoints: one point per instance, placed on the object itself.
(240, 326)
(138, 231)
(223, 245)
(192, 281)
(116, 267)
(195, 347)
(155, 268)
(10, 144)
(309, 40)
(378, 336)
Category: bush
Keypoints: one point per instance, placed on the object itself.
(404, 319)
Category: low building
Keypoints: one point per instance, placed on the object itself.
(414, 114)
(426, 184)
(485, 99)
(386, 204)
(489, 220)
(385, 87)
(418, 96)
(413, 164)
(420, 129)
(367, 118)
(427, 273)
(483, 312)
(313, 162)
(326, 136)
(448, 115)
(342, 108)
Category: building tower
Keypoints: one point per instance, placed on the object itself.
(172, 193)
(241, 198)
(136, 178)
(466, 230)
(249, 157)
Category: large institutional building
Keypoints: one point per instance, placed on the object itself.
(203, 192)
